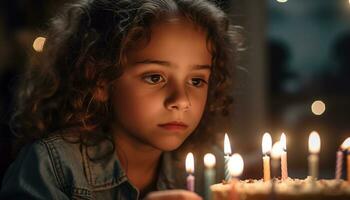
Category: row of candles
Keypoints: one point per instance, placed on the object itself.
(278, 152)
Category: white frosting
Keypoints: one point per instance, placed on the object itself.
(288, 187)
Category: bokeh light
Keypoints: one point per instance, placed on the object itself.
(38, 44)
(318, 107)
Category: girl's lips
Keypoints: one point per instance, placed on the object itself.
(174, 126)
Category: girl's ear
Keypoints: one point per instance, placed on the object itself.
(101, 92)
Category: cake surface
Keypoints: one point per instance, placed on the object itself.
(290, 189)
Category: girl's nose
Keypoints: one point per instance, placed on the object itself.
(178, 100)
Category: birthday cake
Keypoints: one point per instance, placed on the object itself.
(289, 189)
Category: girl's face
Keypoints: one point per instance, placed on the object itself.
(160, 98)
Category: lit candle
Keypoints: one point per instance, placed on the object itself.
(209, 174)
(314, 149)
(284, 167)
(339, 162)
(227, 152)
(266, 149)
(235, 166)
(190, 171)
(348, 164)
(276, 153)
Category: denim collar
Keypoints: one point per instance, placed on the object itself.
(107, 173)
(166, 175)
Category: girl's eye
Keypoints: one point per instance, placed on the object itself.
(198, 82)
(154, 78)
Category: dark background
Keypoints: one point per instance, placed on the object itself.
(295, 53)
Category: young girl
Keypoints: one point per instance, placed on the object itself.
(121, 86)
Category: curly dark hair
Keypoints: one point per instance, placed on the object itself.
(86, 46)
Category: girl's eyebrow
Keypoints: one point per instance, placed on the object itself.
(169, 64)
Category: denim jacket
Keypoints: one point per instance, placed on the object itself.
(53, 168)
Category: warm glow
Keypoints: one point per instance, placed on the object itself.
(318, 107)
(277, 150)
(236, 165)
(283, 141)
(227, 145)
(314, 142)
(209, 160)
(189, 163)
(266, 143)
(282, 1)
(38, 44)
(346, 143)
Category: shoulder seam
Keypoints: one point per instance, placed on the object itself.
(56, 165)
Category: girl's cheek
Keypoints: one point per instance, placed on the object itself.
(200, 94)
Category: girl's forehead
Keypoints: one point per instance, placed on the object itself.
(175, 40)
(177, 23)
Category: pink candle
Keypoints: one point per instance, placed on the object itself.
(284, 169)
(284, 166)
(190, 182)
(339, 164)
(190, 170)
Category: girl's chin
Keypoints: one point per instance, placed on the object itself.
(168, 144)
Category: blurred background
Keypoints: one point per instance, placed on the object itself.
(296, 56)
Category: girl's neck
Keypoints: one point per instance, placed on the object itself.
(139, 160)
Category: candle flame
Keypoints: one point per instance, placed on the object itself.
(345, 144)
(227, 145)
(277, 150)
(283, 141)
(236, 165)
(189, 163)
(266, 143)
(209, 160)
(314, 142)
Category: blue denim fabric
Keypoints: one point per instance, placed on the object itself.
(53, 168)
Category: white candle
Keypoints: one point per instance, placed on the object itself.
(314, 149)
(235, 166)
(276, 153)
(266, 149)
(284, 165)
(190, 171)
(227, 152)
(209, 174)
(340, 155)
